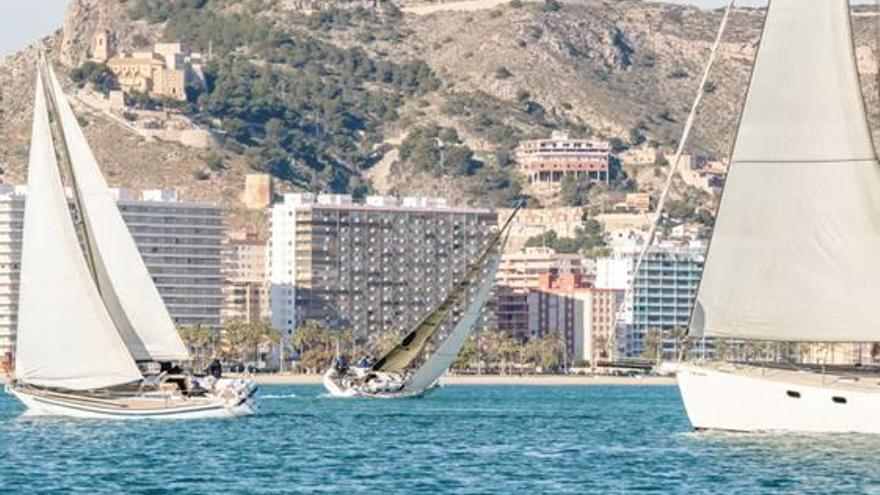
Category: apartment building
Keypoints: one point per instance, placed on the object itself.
(368, 267)
(245, 291)
(521, 272)
(180, 243)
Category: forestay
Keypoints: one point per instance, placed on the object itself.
(65, 338)
(795, 255)
(124, 283)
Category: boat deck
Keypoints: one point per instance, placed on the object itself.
(864, 381)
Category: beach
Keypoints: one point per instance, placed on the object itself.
(526, 380)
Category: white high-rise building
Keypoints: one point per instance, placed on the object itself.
(662, 296)
(180, 242)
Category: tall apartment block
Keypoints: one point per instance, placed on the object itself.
(368, 267)
(180, 243)
(662, 295)
(245, 291)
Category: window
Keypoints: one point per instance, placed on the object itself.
(839, 400)
(793, 394)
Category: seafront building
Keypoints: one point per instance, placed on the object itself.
(662, 295)
(245, 290)
(369, 267)
(180, 243)
(519, 273)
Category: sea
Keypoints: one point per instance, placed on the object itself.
(458, 440)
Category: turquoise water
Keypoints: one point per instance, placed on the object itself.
(461, 439)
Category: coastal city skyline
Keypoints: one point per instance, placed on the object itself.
(463, 247)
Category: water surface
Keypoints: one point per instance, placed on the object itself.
(462, 439)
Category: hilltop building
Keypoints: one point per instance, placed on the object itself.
(245, 291)
(162, 72)
(368, 267)
(545, 162)
(180, 243)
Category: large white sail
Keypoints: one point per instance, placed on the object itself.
(444, 356)
(66, 339)
(795, 255)
(125, 284)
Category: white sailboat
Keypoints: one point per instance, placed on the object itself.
(392, 376)
(795, 254)
(87, 318)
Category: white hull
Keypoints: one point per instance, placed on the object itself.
(752, 399)
(335, 388)
(41, 403)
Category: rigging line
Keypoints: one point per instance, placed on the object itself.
(673, 168)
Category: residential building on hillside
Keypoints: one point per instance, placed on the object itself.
(548, 161)
(368, 267)
(531, 222)
(521, 272)
(245, 290)
(180, 243)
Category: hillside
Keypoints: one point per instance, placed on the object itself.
(350, 95)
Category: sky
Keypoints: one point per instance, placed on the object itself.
(24, 21)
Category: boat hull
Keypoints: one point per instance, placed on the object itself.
(42, 403)
(749, 399)
(335, 387)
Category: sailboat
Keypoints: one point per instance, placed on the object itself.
(393, 375)
(90, 313)
(795, 254)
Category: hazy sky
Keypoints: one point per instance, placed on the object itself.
(24, 21)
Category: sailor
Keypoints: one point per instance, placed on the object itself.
(341, 365)
(215, 369)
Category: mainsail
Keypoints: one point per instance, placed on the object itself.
(65, 338)
(402, 355)
(125, 284)
(795, 255)
(446, 354)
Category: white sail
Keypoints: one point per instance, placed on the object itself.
(795, 255)
(444, 356)
(125, 284)
(66, 339)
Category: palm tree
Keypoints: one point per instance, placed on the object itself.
(653, 344)
(201, 342)
(243, 338)
(315, 345)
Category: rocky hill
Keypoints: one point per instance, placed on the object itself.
(348, 95)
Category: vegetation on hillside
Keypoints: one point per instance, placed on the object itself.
(96, 74)
(588, 240)
(300, 108)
